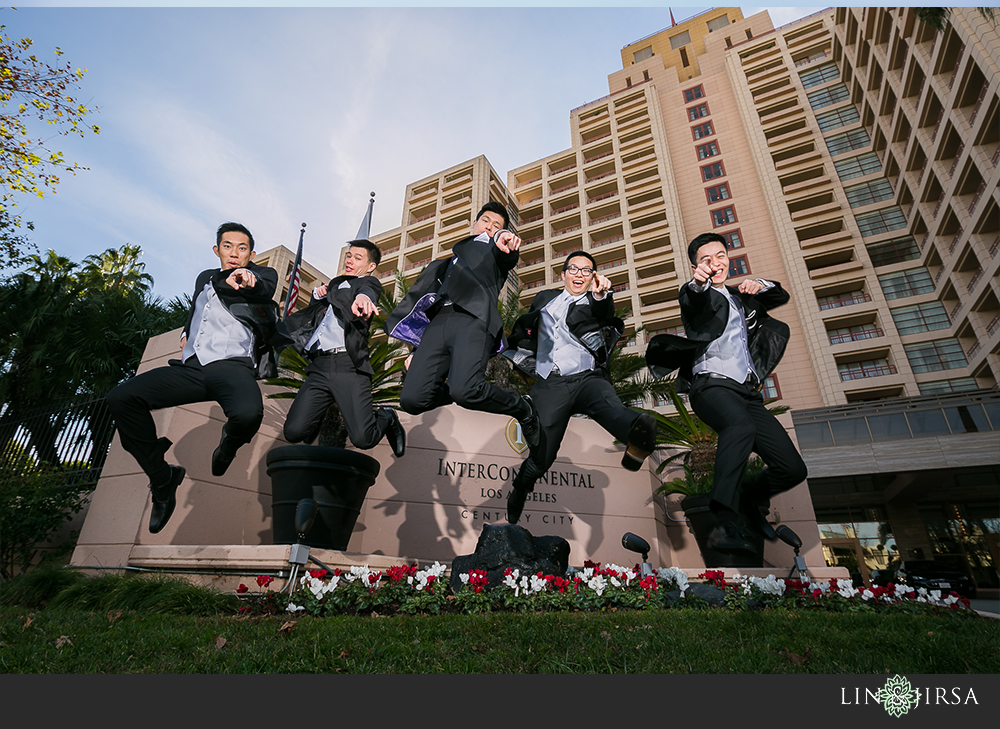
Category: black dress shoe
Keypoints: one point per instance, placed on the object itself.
(395, 434)
(518, 495)
(531, 427)
(641, 442)
(221, 460)
(756, 516)
(515, 504)
(164, 500)
(726, 537)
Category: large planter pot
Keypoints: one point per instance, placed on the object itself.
(336, 479)
(701, 519)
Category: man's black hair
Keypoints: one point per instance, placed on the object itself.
(584, 254)
(701, 240)
(232, 228)
(494, 207)
(374, 252)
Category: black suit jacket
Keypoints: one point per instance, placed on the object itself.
(474, 285)
(298, 328)
(705, 315)
(591, 322)
(254, 307)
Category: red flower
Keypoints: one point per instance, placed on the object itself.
(241, 589)
(264, 580)
(317, 574)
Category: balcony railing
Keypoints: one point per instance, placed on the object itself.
(845, 301)
(992, 327)
(570, 166)
(973, 350)
(530, 262)
(570, 186)
(604, 219)
(572, 206)
(416, 264)
(607, 241)
(534, 284)
(600, 176)
(418, 241)
(525, 221)
(605, 196)
(975, 279)
(566, 230)
(856, 336)
(860, 373)
(612, 264)
(596, 157)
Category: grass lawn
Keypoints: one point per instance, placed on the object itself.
(148, 626)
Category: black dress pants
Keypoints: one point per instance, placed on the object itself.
(558, 398)
(449, 366)
(231, 383)
(736, 412)
(333, 378)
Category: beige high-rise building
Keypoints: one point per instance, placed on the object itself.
(851, 155)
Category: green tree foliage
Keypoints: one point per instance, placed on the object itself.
(68, 330)
(939, 18)
(41, 95)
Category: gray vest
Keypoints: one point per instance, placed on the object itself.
(215, 333)
(557, 348)
(729, 355)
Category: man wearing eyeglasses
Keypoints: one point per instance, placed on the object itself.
(571, 333)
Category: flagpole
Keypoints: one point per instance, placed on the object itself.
(293, 277)
(366, 222)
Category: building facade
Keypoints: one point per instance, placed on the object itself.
(851, 155)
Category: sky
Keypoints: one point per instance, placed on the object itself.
(273, 117)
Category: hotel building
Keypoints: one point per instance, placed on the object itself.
(851, 155)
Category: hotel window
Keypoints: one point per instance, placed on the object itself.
(880, 221)
(770, 390)
(684, 58)
(718, 193)
(691, 94)
(708, 150)
(837, 118)
(645, 75)
(920, 318)
(711, 172)
(846, 141)
(892, 251)
(864, 164)
(679, 40)
(723, 216)
(642, 55)
(869, 192)
(941, 354)
(819, 75)
(697, 112)
(906, 283)
(702, 130)
(738, 266)
(828, 96)
(733, 239)
(718, 23)
(942, 387)
(628, 82)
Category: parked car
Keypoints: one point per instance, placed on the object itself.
(933, 575)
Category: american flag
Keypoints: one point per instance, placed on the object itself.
(293, 286)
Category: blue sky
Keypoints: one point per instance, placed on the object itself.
(274, 117)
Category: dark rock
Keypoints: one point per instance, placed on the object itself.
(709, 593)
(503, 546)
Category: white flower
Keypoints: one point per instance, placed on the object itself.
(597, 583)
(867, 594)
(464, 577)
(435, 571)
(292, 607)
(675, 575)
(538, 584)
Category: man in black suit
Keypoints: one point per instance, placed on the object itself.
(564, 341)
(450, 315)
(732, 345)
(332, 334)
(222, 346)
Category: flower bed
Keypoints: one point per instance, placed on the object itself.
(408, 589)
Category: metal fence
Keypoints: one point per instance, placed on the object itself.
(71, 437)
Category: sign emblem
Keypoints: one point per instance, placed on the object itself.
(515, 438)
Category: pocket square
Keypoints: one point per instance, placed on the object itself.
(344, 285)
